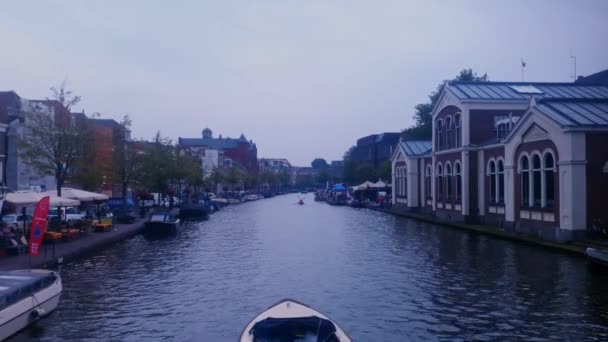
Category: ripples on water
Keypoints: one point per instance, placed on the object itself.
(382, 278)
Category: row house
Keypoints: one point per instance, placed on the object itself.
(526, 157)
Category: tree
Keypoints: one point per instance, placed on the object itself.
(54, 141)
(349, 173)
(127, 161)
(365, 172)
(385, 171)
(322, 176)
(318, 164)
(423, 122)
(156, 161)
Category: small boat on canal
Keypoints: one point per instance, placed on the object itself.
(597, 256)
(25, 297)
(301, 202)
(290, 320)
(161, 223)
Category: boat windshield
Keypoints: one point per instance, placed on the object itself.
(304, 329)
(157, 218)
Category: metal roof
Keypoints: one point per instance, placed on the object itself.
(213, 143)
(509, 91)
(414, 148)
(578, 114)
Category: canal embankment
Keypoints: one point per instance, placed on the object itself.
(57, 252)
(577, 247)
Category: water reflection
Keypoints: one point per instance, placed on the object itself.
(381, 277)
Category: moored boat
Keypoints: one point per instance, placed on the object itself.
(301, 202)
(597, 255)
(161, 223)
(25, 297)
(290, 320)
(194, 212)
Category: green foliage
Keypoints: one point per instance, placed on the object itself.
(385, 171)
(322, 176)
(423, 127)
(53, 145)
(365, 172)
(156, 164)
(319, 163)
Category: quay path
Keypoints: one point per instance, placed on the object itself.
(62, 251)
(381, 277)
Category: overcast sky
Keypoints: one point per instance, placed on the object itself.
(303, 79)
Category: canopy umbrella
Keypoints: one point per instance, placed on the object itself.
(338, 187)
(363, 186)
(81, 195)
(29, 198)
(379, 184)
(23, 197)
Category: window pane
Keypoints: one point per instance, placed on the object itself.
(548, 161)
(550, 188)
(536, 188)
(501, 187)
(524, 163)
(536, 162)
(492, 188)
(492, 167)
(439, 188)
(501, 167)
(458, 188)
(448, 191)
(525, 189)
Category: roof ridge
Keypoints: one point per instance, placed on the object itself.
(508, 83)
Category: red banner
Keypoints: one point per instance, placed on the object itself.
(39, 225)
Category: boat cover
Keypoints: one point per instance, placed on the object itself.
(294, 329)
(16, 285)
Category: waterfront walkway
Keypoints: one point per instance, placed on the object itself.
(53, 254)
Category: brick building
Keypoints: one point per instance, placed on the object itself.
(527, 157)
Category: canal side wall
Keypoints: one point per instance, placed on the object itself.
(54, 254)
(496, 232)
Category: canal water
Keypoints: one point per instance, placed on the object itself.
(382, 278)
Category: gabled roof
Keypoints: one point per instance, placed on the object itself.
(597, 78)
(416, 148)
(576, 113)
(522, 91)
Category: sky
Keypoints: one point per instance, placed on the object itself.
(303, 79)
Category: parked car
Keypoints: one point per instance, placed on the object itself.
(69, 215)
(17, 220)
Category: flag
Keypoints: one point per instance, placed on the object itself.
(38, 227)
(523, 64)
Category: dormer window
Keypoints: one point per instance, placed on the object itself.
(503, 124)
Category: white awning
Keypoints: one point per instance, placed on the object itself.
(24, 198)
(81, 195)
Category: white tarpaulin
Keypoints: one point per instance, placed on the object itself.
(30, 198)
(81, 195)
(363, 186)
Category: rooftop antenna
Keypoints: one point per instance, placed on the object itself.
(573, 58)
(523, 66)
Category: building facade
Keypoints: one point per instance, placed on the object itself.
(374, 149)
(526, 157)
(230, 152)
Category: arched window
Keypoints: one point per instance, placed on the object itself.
(524, 174)
(501, 181)
(404, 180)
(439, 135)
(448, 132)
(458, 182)
(536, 181)
(458, 130)
(427, 182)
(492, 174)
(549, 169)
(448, 182)
(439, 183)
